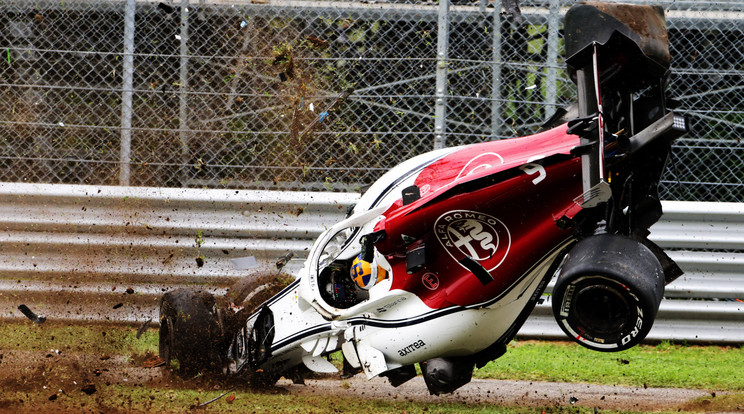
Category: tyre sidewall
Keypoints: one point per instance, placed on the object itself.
(619, 268)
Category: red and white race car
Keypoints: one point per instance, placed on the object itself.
(444, 257)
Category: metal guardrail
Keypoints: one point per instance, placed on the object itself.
(73, 252)
(98, 254)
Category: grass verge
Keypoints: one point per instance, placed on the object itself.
(94, 338)
(663, 365)
(712, 368)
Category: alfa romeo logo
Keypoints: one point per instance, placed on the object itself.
(479, 236)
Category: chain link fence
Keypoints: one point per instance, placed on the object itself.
(313, 95)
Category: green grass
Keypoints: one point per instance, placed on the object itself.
(99, 339)
(710, 368)
(664, 365)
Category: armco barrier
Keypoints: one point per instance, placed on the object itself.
(97, 253)
(73, 252)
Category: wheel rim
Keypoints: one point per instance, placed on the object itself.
(603, 310)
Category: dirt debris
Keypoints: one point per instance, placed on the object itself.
(523, 393)
(56, 375)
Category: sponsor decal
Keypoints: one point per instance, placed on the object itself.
(479, 163)
(567, 299)
(479, 236)
(410, 348)
(430, 281)
(636, 329)
(390, 305)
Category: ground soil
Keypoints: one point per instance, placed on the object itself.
(58, 373)
(514, 393)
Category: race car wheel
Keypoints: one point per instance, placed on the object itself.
(189, 334)
(608, 292)
(246, 295)
(242, 300)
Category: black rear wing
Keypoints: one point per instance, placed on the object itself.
(618, 55)
(632, 40)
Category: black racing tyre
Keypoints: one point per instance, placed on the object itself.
(247, 294)
(257, 288)
(608, 292)
(189, 332)
(243, 299)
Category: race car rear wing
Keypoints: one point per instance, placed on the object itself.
(614, 51)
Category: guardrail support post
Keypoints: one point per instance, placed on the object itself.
(551, 88)
(440, 106)
(496, 63)
(127, 87)
(183, 107)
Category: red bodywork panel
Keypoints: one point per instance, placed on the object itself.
(495, 202)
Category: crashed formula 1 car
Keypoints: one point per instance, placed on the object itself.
(441, 261)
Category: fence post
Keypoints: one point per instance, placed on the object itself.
(496, 63)
(183, 107)
(440, 106)
(20, 32)
(551, 89)
(126, 94)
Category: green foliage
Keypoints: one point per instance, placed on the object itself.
(536, 37)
